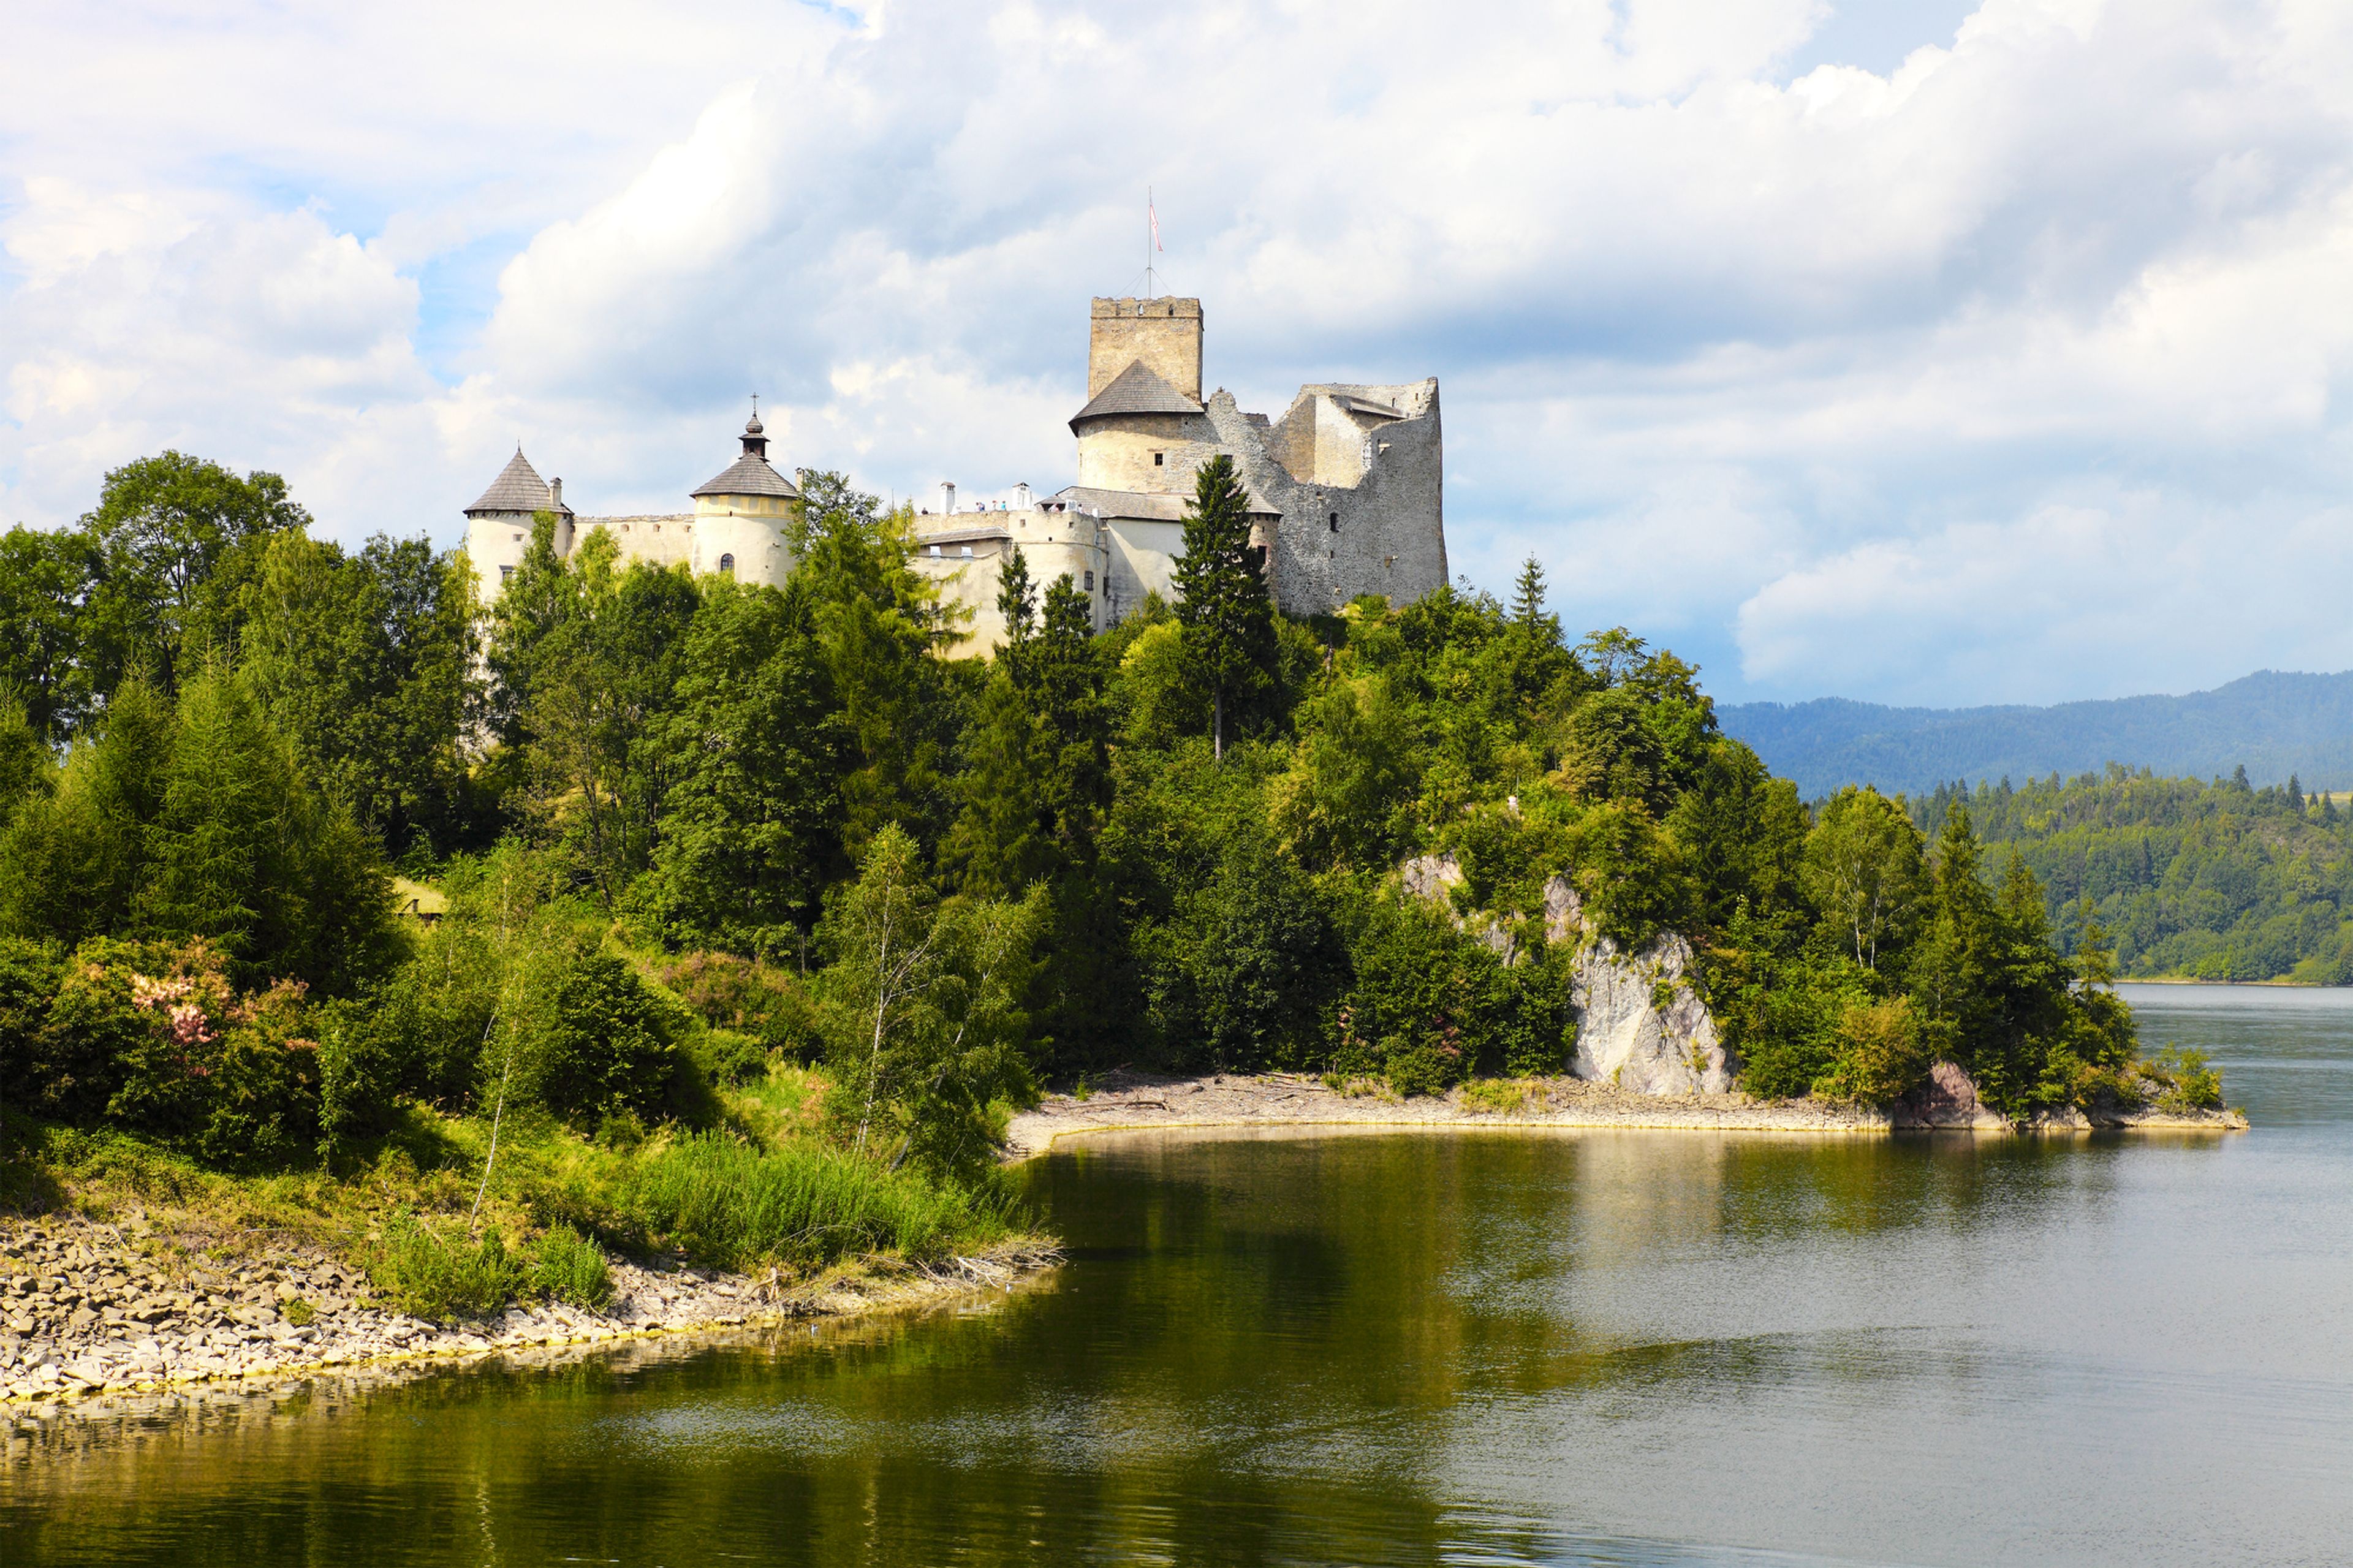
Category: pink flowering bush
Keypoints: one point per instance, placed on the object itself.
(151, 1035)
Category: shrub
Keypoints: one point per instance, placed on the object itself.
(771, 1005)
(1495, 1095)
(2184, 1080)
(1430, 1000)
(567, 1267)
(433, 1276)
(603, 1045)
(29, 973)
(728, 1057)
(1878, 1055)
(262, 1094)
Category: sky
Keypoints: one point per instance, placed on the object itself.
(1912, 350)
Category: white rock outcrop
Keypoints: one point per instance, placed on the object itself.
(1641, 1026)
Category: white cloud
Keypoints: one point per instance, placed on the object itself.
(1891, 385)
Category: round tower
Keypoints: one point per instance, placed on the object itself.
(498, 525)
(742, 515)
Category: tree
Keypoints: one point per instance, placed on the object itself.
(71, 860)
(925, 1030)
(599, 761)
(1017, 603)
(1066, 693)
(366, 664)
(1223, 604)
(1349, 798)
(1003, 839)
(1528, 594)
(45, 580)
(1862, 869)
(541, 596)
(177, 538)
(748, 837)
(879, 624)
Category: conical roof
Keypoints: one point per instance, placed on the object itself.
(518, 488)
(749, 475)
(1136, 390)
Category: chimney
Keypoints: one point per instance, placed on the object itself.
(1021, 496)
(947, 496)
(555, 495)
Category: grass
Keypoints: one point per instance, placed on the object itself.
(761, 1189)
(727, 1203)
(1499, 1096)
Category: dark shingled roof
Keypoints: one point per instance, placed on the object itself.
(518, 488)
(1136, 390)
(749, 476)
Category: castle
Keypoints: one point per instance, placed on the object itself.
(1346, 492)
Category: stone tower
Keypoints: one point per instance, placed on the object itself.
(741, 515)
(498, 525)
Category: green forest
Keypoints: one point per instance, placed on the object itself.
(2213, 881)
(764, 906)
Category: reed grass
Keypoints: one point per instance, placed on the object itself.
(729, 1204)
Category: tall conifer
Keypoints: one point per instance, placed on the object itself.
(1223, 607)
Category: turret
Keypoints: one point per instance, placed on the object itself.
(741, 515)
(498, 525)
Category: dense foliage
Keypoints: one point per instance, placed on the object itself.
(2218, 881)
(700, 840)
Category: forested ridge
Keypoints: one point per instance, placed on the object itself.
(2274, 723)
(2215, 881)
(742, 873)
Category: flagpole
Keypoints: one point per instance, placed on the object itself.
(1147, 242)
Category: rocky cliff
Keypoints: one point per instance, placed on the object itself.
(1641, 1025)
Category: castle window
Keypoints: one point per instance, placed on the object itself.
(505, 573)
(1159, 459)
(1091, 582)
(518, 539)
(935, 552)
(727, 565)
(1335, 523)
(967, 552)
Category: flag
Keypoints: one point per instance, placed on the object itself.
(1153, 214)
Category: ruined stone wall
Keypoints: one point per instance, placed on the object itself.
(1164, 333)
(1383, 534)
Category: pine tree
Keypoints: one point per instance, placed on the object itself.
(1017, 603)
(1066, 693)
(1227, 620)
(1528, 594)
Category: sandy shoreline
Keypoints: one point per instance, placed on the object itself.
(1131, 1101)
(90, 1310)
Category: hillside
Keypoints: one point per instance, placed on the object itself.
(2272, 723)
(2220, 881)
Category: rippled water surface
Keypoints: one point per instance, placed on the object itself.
(1611, 1347)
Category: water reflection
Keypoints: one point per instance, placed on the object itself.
(1604, 1347)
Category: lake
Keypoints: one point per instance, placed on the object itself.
(1601, 1347)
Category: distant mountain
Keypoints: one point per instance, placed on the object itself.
(2271, 723)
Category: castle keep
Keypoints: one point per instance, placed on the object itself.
(1346, 492)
